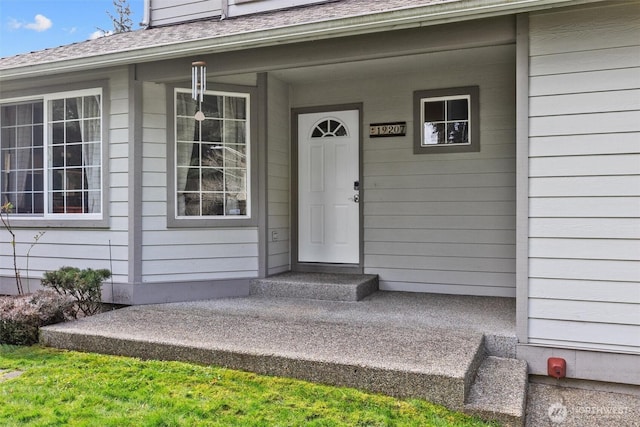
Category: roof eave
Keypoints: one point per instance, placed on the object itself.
(440, 13)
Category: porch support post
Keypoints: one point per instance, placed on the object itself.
(522, 177)
(135, 178)
(263, 220)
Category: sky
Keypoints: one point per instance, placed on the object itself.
(30, 25)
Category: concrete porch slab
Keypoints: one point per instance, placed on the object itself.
(427, 346)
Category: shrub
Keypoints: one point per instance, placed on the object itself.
(84, 286)
(21, 317)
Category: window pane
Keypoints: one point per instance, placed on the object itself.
(57, 133)
(92, 179)
(457, 133)
(57, 109)
(23, 159)
(74, 155)
(91, 106)
(235, 156)
(57, 179)
(236, 204)
(38, 181)
(193, 180)
(38, 203)
(187, 129)
(181, 179)
(192, 204)
(91, 131)
(28, 183)
(37, 158)
(212, 204)
(91, 154)
(74, 179)
(73, 132)
(56, 202)
(6, 160)
(211, 130)
(235, 108)
(37, 112)
(73, 202)
(73, 108)
(57, 156)
(234, 132)
(434, 133)
(212, 180)
(457, 109)
(12, 182)
(185, 106)
(212, 155)
(24, 137)
(93, 201)
(8, 136)
(184, 152)
(212, 106)
(235, 180)
(25, 114)
(9, 113)
(38, 136)
(434, 111)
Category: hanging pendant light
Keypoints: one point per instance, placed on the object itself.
(198, 85)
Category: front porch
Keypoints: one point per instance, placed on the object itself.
(457, 351)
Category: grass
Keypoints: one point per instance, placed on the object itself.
(82, 389)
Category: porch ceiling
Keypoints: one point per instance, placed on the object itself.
(393, 66)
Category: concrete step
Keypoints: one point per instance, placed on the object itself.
(499, 391)
(318, 286)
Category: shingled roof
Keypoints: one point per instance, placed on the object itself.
(210, 29)
(323, 20)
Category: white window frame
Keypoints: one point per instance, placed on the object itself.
(446, 121)
(46, 98)
(421, 97)
(248, 167)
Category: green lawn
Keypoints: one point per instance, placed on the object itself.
(78, 389)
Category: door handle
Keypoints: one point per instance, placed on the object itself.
(355, 198)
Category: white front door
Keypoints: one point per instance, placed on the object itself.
(328, 174)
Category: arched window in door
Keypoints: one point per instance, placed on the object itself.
(329, 128)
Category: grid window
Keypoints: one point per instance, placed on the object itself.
(446, 120)
(51, 151)
(212, 165)
(74, 155)
(21, 145)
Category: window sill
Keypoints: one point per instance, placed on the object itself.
(60, 221)
(185, 222)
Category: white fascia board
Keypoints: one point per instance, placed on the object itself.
(411, 17)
